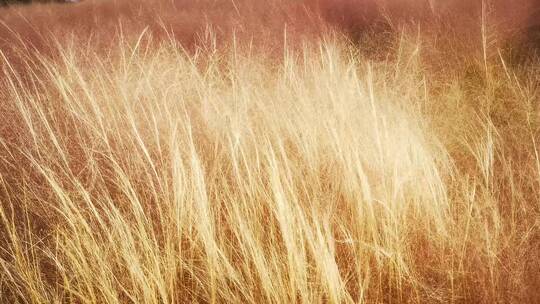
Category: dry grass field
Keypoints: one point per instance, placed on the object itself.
(283, 151)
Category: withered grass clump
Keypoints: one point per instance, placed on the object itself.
(317, 169)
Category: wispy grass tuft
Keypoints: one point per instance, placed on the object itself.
(160, 171)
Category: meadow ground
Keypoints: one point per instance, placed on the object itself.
(237, 151)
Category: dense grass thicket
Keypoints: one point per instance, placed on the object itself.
(236, 151)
